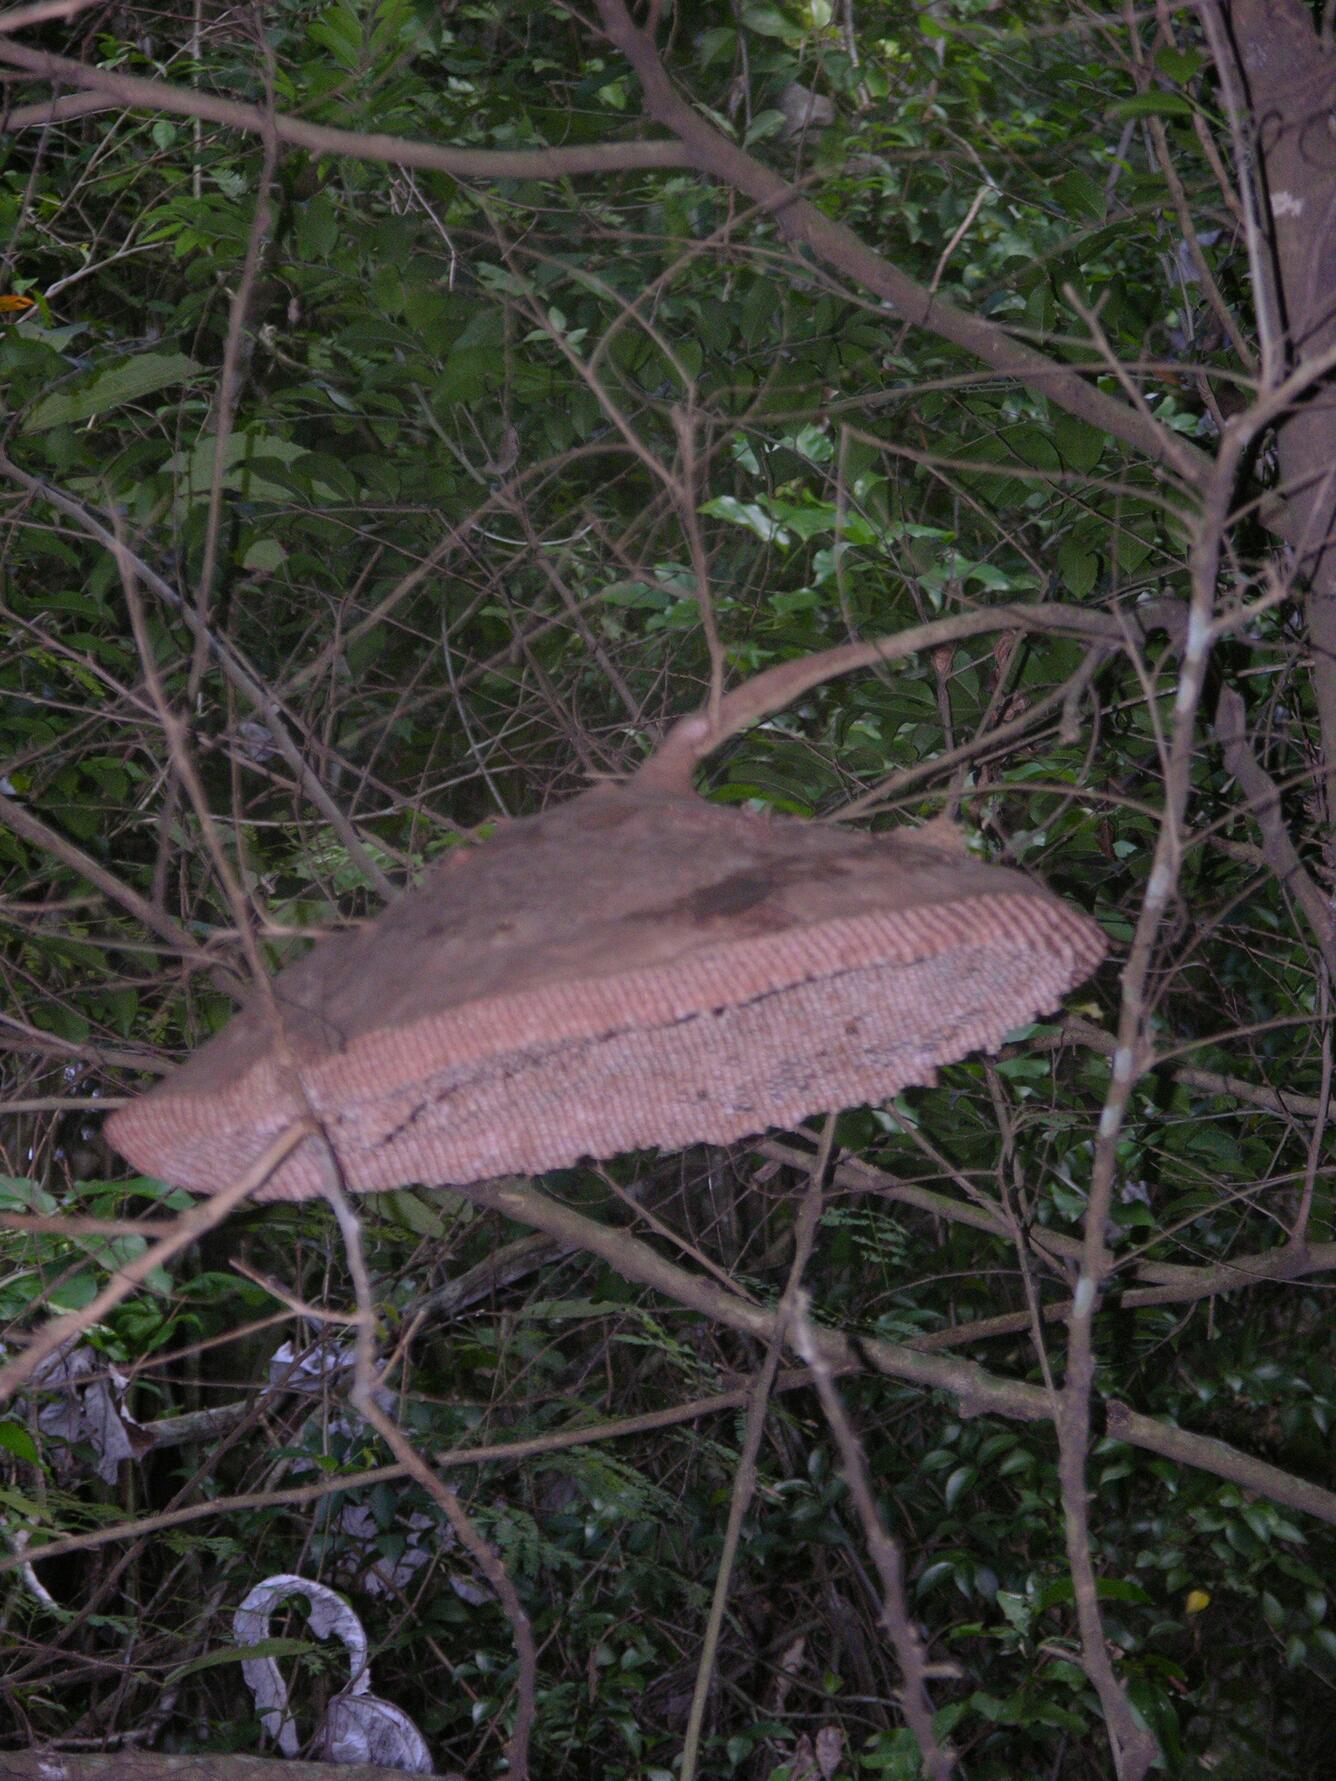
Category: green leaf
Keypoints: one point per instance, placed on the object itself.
(1141, 105)
(1108, 1589)
(1178, 64)
(749, 514)
(25, 1506)
(764, 125)
(1079, 194)
(715, 43)
(961, 1480)
(20, 1193)
(236, 1654)
(74, 1292)
(1081, 446)
(403, 1207)
(935, 1573)
(129, 380)
(317, 227)
(15, 1439)
(769, 21)
(339, 30)
(264, 555)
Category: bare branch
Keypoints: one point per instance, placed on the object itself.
(132, 90)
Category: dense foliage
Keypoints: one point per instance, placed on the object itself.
(324, 471)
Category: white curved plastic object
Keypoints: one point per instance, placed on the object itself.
(357, 1727)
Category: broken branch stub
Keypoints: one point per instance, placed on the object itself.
(636, 967)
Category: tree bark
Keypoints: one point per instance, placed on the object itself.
(1291, 88)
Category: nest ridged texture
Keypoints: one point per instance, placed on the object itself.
(633, 968)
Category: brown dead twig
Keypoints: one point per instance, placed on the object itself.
(364, 1397)
(916, 1669)
(782, 1332)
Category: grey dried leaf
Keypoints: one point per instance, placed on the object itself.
(87, 1406)
(363, 1728)
(357, 1727)
(255, 740)
(802, 1761)
(804, 109)
(829, 1750)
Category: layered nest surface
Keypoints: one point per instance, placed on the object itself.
(636, 967)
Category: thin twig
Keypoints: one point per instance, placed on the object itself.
(1134, 1746)
(906, 1641)
(1278, 849)
(744, 1479)
(364, 1399)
